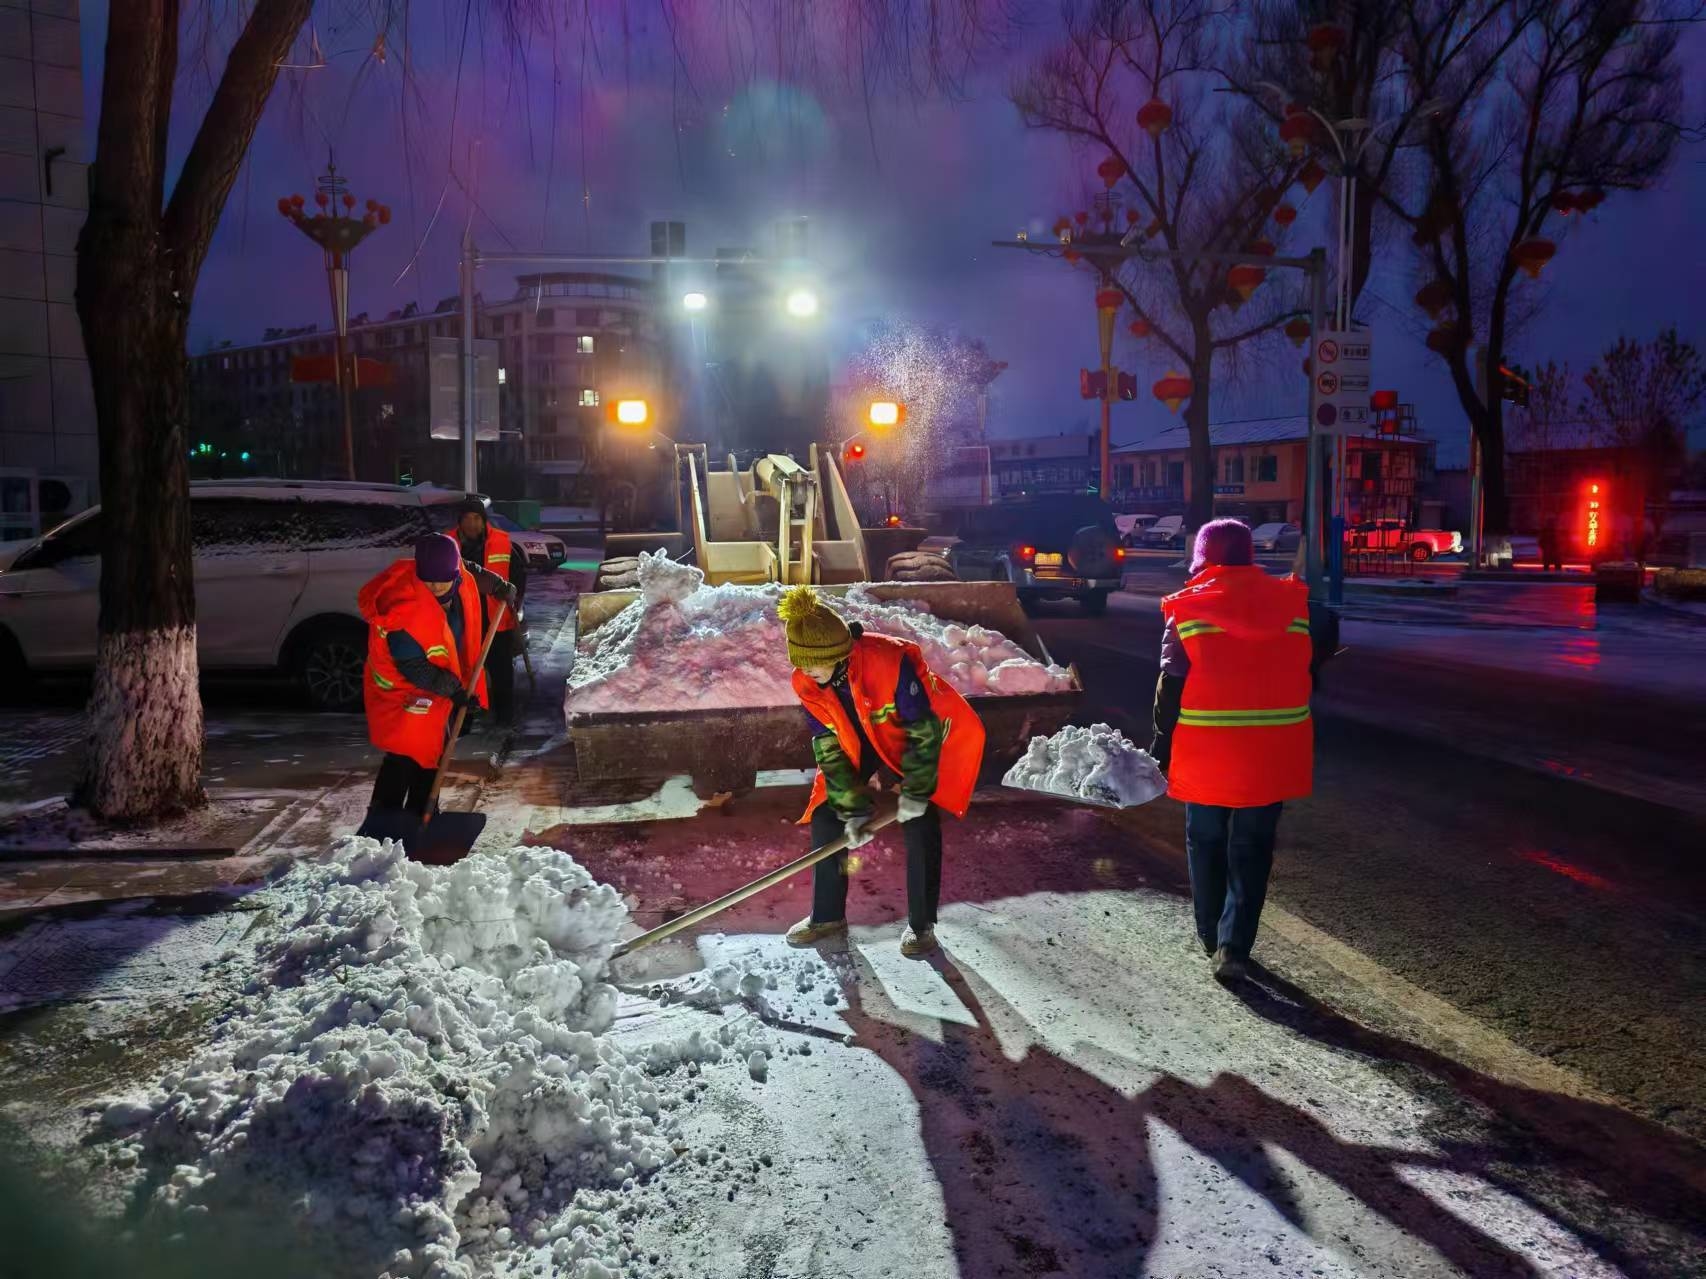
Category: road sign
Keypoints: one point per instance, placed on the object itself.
(445, 408)
(1339, 402)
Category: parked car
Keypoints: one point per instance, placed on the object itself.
(1064, 547)
(1419, 544)
(1132, 527)
(1169, 530)
(1276, 538)
(544, 551)
(278, 564)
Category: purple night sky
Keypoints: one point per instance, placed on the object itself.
(902, 232)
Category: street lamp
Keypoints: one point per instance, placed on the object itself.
(801, 303)
(694, 301)
(885, 413)
(631, 413)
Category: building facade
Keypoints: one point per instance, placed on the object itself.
(47, 411)
(1261, 470)
(1038, 464)
(566, 342)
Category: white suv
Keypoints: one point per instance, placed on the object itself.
(278, 564)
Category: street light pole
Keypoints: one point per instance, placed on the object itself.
(470, 387)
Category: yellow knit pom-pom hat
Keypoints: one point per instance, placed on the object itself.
(816, 636)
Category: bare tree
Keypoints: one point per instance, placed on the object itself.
(1644, 394)
(1196, 174)
(141, 253)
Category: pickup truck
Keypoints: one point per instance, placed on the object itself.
(1419, 544)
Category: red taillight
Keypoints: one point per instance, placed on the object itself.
(1119, 552)
(1027, 552)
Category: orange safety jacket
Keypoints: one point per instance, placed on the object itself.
(1244, 738)
(499, 549)
(401, 718)
(873, 674)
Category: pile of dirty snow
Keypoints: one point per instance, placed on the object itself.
(1098, 763)
(683, 644)
(417, 1076)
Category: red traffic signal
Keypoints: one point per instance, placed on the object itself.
(1127, 386)
(855, 452)
(1092, 384)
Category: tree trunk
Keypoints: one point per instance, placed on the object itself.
(1495, 500)
(1201, 509)
(145, 721)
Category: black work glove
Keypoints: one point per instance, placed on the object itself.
(461, 699)
(510, 596)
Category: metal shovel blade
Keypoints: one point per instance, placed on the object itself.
(447, 838)
(1070, 799)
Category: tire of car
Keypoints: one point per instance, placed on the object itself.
(329, 657)
(1421, 552)
(1095, 603)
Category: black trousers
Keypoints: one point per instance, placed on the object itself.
(923, 838)
(403, 784)
(500, 676)
(1230, 852)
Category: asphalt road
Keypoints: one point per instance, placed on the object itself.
(1565, 915)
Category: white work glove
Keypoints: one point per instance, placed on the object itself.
(857, 835)
(911, 809)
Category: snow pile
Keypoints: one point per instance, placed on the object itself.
(683, 645)
(1098, 763)
(417, 1071)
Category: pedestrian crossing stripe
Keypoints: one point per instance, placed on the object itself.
(1244, 718)
(1188, 629)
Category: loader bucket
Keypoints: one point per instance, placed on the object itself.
(723, 748)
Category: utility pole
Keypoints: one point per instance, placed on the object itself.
(470, 387)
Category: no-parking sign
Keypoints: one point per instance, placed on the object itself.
(1341, 382)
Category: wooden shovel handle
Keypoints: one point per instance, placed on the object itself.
(462, 711)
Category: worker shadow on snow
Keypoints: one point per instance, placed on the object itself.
(1568, 1158)
(1045, 1168)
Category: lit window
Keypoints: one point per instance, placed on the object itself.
(589, 397)
(585, 344)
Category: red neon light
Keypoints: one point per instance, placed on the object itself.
(1593, 518)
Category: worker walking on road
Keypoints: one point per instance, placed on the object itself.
(424, 636)
(1232, 729)
(489, 547)
(873, 706)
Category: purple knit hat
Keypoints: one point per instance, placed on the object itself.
(1222, 542)
(437, 558)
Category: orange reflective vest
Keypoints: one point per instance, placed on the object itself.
(1244, 738)
(873, 674)
(401, 718)
(499, 550)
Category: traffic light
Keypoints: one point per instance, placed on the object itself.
(1092, 384)
(1127, 386)
(854, 452)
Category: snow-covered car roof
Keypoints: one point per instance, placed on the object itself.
(308, 490)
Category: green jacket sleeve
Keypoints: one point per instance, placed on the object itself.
(920, 756)
(846, 796)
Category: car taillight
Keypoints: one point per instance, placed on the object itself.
(1119, 552)
(1027, 552)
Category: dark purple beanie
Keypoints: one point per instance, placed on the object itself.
(1222, 542)
(437, 558)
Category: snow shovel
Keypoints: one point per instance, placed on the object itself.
(701, 913)
(437, 838)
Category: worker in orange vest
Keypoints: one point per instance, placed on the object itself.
(489, 547)
(874, 707)
(1232, 729)
(423, 638)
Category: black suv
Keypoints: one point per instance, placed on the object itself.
(1064, 547)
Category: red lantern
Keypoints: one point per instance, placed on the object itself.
(322, 199)
(1567, 202)
(1285, 215)
(1111, 171)
(1297, 329)
(1131, 217)
(349, 200)
(1433, 297)
(1072, 255)
(1244, 279)
(1140, 328)
(1109, 299)
(1173, 390)
(1154, 116)
(1312, 176)
(284, 205)
(1325, 39)
(296, 202)
(1532, 255)
(1154, 228)
(1063, 229)
(1296, 131)
(384, 215)
(1590, 199)
(1261, 246)
(1081, 217)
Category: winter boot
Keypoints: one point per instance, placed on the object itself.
(913, 944)
(1229, 967)
(806, 932)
